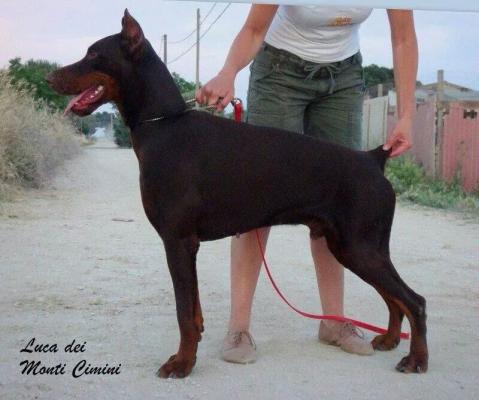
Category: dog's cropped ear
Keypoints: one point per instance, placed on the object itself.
(133, 40)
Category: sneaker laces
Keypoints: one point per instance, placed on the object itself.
(238, 335)
(348, 329)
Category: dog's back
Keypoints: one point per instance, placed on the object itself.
(230, 173)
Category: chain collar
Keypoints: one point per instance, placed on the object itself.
(162, 117)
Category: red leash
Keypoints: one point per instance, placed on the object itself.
(237, 105)
(359, 324)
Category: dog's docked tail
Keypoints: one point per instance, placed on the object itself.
(380, 156)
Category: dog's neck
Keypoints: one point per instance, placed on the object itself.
(150, 92)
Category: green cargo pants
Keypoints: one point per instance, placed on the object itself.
(320, 100)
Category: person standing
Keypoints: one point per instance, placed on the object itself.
(307, 77)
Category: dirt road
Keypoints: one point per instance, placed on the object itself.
(80, 261)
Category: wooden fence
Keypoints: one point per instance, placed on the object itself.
(445, 136)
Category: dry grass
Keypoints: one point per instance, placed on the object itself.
(33, 140)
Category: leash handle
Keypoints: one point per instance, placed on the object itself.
(359, 324)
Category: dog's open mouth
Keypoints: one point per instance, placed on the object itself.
(87, 101)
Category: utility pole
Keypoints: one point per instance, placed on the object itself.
(165, 53)
(440, 107)
(197, 50)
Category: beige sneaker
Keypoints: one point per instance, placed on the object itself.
(346, 336)
(239, 347)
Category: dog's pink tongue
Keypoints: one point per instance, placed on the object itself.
(74, 101)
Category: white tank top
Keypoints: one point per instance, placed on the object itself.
(315, 33)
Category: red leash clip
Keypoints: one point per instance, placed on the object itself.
(238, 108)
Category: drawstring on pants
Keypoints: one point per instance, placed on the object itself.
(314, 69)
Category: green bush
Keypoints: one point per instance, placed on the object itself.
(411, 183)
(121, 132)
(31, 75)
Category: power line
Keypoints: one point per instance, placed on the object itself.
(201, 23)
(201, 37)
(214, 22)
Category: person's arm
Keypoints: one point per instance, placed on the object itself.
(220, 89)
(405, 59)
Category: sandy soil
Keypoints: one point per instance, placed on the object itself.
(80, 261)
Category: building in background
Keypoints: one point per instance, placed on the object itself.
(445, 129)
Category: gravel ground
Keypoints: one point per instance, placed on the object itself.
(79, 261)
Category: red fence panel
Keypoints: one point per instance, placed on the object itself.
(460, 146)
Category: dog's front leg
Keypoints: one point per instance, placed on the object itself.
(181, 256)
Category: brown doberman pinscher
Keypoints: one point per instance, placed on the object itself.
(204, 177)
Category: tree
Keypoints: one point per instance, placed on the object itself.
(182, 84)
(101, 119)
(121, 132)
(91, 122)
(374, 75)
(32, 75)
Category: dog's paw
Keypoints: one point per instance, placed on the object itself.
(412, 363)
(385, 342)
(176, 368)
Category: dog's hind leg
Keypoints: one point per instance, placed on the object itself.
(377, 270)
(391, 339)
(198, 316)
(181, 257)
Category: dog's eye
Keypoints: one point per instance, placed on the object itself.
(91, 55)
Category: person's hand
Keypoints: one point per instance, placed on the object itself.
(400, 139)
(218, 92)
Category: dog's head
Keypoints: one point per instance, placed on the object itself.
(95, 79)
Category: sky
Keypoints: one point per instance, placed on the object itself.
(61, 31)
